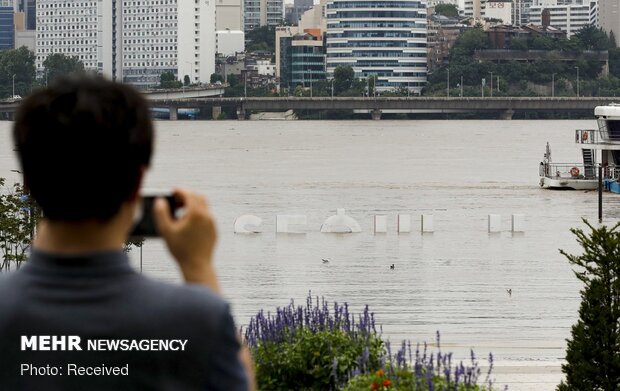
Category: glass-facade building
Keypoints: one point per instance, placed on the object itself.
(302, 61)
(7, 28)
(385, 38)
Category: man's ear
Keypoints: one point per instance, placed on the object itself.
(135, 193)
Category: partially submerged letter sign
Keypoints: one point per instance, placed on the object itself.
(248, 224)
(340, 223)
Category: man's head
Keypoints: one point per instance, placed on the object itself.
(83, 145)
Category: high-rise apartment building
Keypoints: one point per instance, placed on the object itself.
(567, 15)
(383, 38)
(228, 15)
(160, 36)
(257, 13)
(609, 17)
(128, 40)
(473, 8)
(81, 29)
(7, 26)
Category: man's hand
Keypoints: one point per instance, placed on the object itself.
(190, 238)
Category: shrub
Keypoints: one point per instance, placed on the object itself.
(314, 348)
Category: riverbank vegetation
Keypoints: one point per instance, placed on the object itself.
(549, 71)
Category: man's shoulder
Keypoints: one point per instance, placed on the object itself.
(191, 302)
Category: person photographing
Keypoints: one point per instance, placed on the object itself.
(76, 315)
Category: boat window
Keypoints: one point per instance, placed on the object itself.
(613, 127)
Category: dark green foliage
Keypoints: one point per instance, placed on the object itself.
(186, 80)
(468, 43)
(614, 62)
(343, 78)
(18, 62)
(593, 38)
(58, 64)
(18, 218)
(519, 44)
(168, 80)
(593, 352)
(215, 77)
(520, 78)
(449, 10)
(262, 38)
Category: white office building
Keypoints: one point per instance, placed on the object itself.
(81, 29)
(130, 41)
(383, 38)
(167, 36)
(567, 15)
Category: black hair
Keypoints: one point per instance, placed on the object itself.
(82, 144)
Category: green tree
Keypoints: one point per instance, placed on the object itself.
(168, 80)
(58, 64)
(449, 10)
(592, 38)
(469, 42)
(18, 62)
(186, 80)
(614, 62)
(593, 352)
(343, 79)
(262, 38)
(18, 218)
(215, 77)
(518, 44)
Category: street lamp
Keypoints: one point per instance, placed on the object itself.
(553, 85)
(491, 84)
(461, 86)
(333, 88)
(448, 84)
(13, 87)
(577, 81)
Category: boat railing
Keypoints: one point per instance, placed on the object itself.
(578, 171)
(595, 136)
(569, 170)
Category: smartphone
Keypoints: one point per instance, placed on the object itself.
(145, 221)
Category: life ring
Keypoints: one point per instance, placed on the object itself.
(574, 172)
(584, 136)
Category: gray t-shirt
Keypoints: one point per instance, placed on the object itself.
(100, 298)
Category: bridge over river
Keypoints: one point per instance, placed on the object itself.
(506, 106)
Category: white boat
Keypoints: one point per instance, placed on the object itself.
(600, 148)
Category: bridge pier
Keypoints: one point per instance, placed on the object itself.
(507, 114)
(216, 111)
(174, 113)
(240, 113)
(376, 114)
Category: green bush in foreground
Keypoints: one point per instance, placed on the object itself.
(319, 347)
